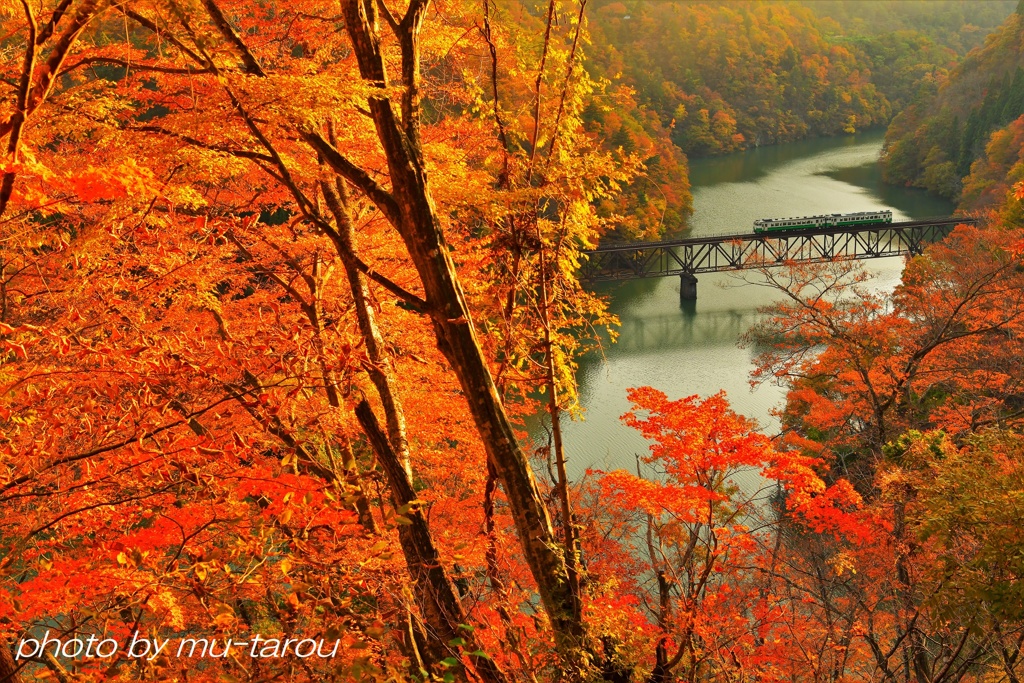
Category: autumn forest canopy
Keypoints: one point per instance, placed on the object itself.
(283, 283)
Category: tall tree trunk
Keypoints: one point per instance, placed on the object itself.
(436, 595)
(435, 592)
(422, 233)
(381, 372)
(554, 409)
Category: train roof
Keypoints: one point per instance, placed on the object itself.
(827, 215)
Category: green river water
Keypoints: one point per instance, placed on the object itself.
(697, 351)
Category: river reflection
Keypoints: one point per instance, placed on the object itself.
(675, 331)
(696, 351)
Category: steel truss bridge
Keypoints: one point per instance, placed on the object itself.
(716, 253)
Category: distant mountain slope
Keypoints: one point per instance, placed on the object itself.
(935, 142)
(957, 24)
(726, 76)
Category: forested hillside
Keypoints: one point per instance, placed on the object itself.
(725, 76)
(728, 76)
(958, 25)
(962, 141)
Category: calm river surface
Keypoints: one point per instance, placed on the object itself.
(685, 353)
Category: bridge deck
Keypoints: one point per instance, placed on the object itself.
(715, 253)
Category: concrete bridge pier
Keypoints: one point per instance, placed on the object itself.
(687, 287)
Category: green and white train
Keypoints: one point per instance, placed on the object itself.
(834, 220)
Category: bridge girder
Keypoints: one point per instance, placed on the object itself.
(719, 253)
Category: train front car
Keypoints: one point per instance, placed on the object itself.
(763, 225)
